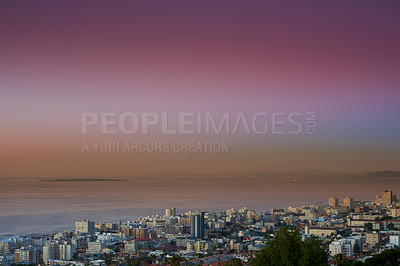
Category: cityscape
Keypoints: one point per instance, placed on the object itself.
(348, 230)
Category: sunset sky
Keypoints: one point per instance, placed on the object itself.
(340, 59)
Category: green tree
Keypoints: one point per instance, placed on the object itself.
(75, 255)
(313, 251)
(357, 248)
(338, 259)
(288, 249)
(135, 262)
(385, 217)
(368, 226)
(391, 226)
(175, 260)
(149, 260)
(387, 257)
(347, 232)
(234, 262)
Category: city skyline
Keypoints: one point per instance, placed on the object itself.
(353, 231)
(204, 132)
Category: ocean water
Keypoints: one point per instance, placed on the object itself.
(43, 205)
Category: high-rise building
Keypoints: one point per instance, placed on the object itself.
(348, 202)
(387, 198)
(26, 256)
(79, 241)
(333, 202)
(183, 221)
(395, 212)
(197, 225)
(55, 251)
(66, 251)
(170, 212)
(84, 226)
(51, 252)
(136, 232)
(4, 248)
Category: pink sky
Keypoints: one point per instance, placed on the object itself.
(339, 59)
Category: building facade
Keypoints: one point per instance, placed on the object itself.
(333, 202)
(85, 227)
(197, 225)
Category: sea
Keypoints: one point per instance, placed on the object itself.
(47, 205)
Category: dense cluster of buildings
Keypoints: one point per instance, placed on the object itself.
(355, 229)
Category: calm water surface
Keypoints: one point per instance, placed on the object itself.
(42, 205)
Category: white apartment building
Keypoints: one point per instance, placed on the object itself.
(55, 251)
(66, 251)
(95, 247)
(198, 246)
(4, 248)
(342, 246)
(50, 252)
(132, 246)
(395, 240)
(86, 227)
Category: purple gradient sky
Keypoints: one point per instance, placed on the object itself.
(340, 59)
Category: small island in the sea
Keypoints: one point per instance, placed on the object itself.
(85, 180)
